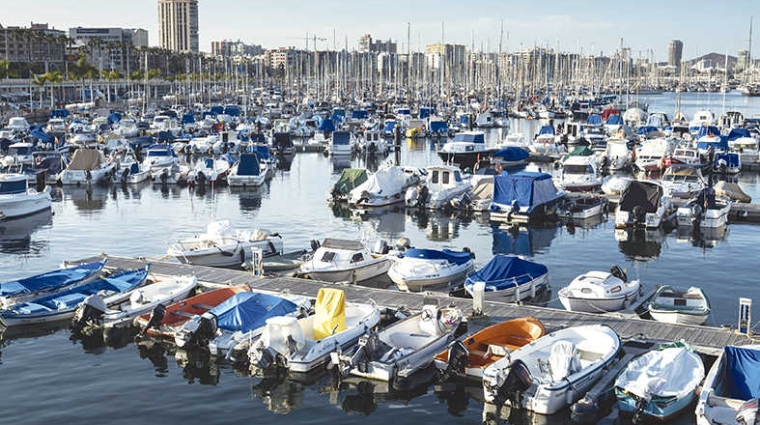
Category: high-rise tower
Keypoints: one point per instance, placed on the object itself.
(178, 25)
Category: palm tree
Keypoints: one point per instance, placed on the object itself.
(4, 69)
(110, 77)
(54, 77)
(39, 80)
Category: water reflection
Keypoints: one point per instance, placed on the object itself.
(279, 393)
(522, 240)
(250, 197)
(640, 244)
(390, 220)
(440, 226)
(494, 415)
(197, 366)
(356, 395)
(87, 198)
(16, 234)
(156, 352)
(702, 238)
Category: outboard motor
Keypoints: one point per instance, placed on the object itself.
(315, 244)
(261, 357)
(469, 251)
(205, 331)
(517, 381)
(639, 216)
(747, 413)
(124, 175)
(90, 312)
(458, 358)
(200, 178)
(423, 196)
(381, 247)
(362, 356)
(156, 317)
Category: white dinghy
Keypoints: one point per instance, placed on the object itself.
(600, 292)
(147, 298)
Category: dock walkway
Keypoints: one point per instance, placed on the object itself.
(709, 340)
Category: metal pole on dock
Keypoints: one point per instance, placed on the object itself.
(397, 143)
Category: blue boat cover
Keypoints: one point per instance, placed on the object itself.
(505, 272)
(187, 119)
(737, 133)
(720, 144)
(742, 373)
(731, 158)
(326, 125)
(646, 129)
(464, 119)
(165, 136)
(51, 280)
(475, 137)
(512, 153)
(216, 110)
(114, 117)
(546, 129)
(526, 188)
(594, 119)
(60, 113)
(262, 151)
(359, 114)
(341, 138)
(614, 119)
(232, 110)
(246, 311)
(339, 112)
(161, 150)
(248, 165)
(40, 136)
(438, 126)
(425, 112)
(389, 126)
(456, 257)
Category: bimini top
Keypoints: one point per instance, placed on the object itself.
(246, 311)
(456, 257)
(594, 119)
(614, 119)
(742, 372)
(437, 126)
(505, 272)
(248, 165)
(51, 280)
(645, 194)
(546, 129)
(470, 137)
(529, 189)
(262, 151)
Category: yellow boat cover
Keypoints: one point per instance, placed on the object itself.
(329, 313)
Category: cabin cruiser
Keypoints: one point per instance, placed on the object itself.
(600, 292)
(579, 174)
(340, 143)
(87, 166)
(246, 172)
(651, 153)
(374, 143)
(643, 204)
(17, 199)
(442, 184)
(160, 156)
(19, 153)
(466, 150)
(682, 181)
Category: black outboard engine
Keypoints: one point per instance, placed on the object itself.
(314, 244)
(618, 273)
(748, 413)
(90, 312)
(518, 380)
(458, 359)
(262, 358)
(362, 356)
(639, 216)
(124, 175)
(423, 196)
(205, 332)
(469, 251)
(200, 178)
(156, 317)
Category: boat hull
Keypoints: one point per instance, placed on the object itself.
(654, 409)
(597, 305)
(226, 256)
(432, 281)
(681, 318)
(15, 206)
(352, 275)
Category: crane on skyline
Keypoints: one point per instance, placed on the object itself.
(307, 38)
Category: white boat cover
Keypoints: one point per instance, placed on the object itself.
(672, 372)
(384, 182)
(563, 360)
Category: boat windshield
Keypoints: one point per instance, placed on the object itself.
(578, 169)
(20, 150)
(12, 187)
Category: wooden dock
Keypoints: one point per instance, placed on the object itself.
(709, 340)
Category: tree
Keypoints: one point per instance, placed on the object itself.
(4, 69)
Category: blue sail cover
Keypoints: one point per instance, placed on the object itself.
(474, 137)
(546, 129)
(594, 119)
(40, 136)
(246, 311)
(342, 138)
(530, 189)
(614, 119)
(511, 154)
(248, 165)
(720, 144)
(646, 129)
(742, 372)
(60, 113)
(114, 117)
(51, 280)
(187, 119)
(326, 125)
(456, 257)
(737, 133)
(216, 110)
(505, 272)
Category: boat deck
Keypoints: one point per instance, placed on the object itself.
(709, 340)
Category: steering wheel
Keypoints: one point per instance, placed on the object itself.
(426, 315)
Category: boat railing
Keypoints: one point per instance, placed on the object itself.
(517, 280)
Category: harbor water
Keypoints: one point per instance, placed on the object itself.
(50, 379)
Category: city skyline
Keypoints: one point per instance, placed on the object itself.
(596, 28)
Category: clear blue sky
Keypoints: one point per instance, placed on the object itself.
(703, 26)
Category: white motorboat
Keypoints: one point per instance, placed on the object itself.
(618, 156)
(208, 171)
(374, 143)
(398, 351)
(509, 278)
(704, 211)
(682, 181)
(301, 345)
(442, 184)
(173, 174)
(144, 299)
(130, 170)
(224, 246)
(552, 372)
(643, 204)
(160, 156)
(600, 292)
(652, 152)
(579, 174)
(340, 143)
(338, 260)
(421, 269)
(545, 142)
(466, 149)
(246, 172)
(87, 166)
(127, 128)
(516, 140)
(17, 199)
(19, 153)
(730, 386)
(582, 207)
(670, 305)
(385, 187)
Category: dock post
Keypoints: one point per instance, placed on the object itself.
(257, 262)
(745, 316)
